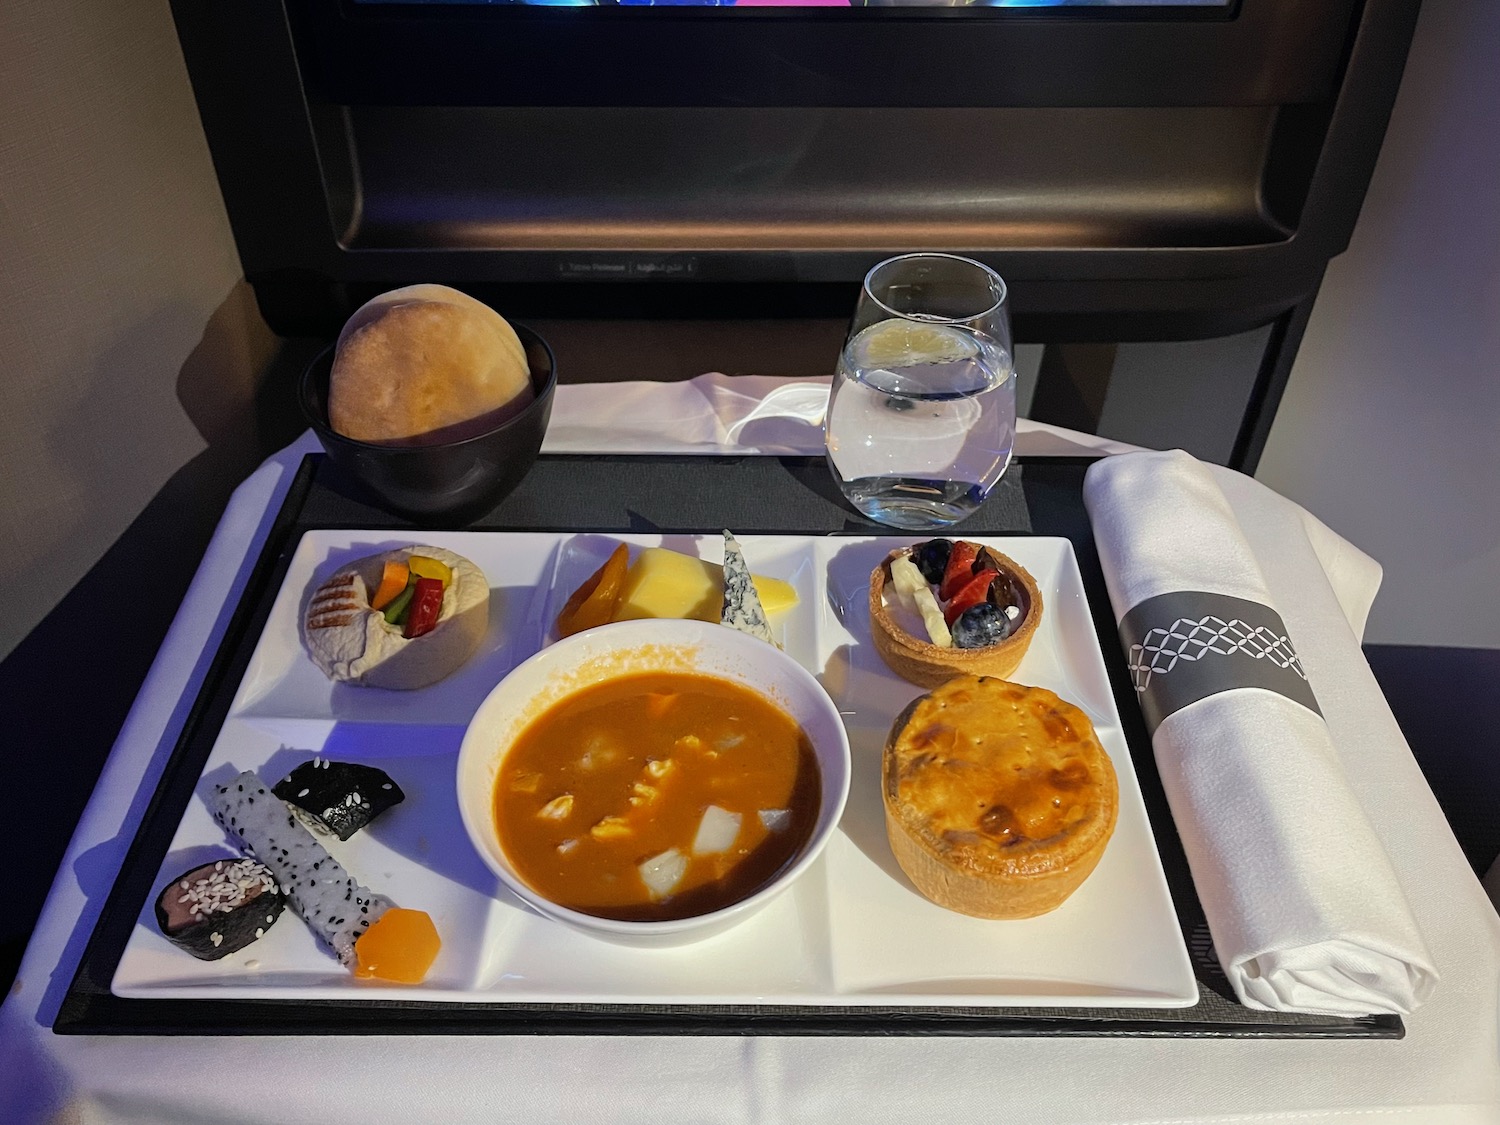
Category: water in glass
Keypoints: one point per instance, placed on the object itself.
(921, 421)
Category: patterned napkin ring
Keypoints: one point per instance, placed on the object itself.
(1186, 645)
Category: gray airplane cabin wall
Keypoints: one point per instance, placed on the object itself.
(1390, 426)
(130, 342)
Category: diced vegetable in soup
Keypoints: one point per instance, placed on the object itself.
(655, 796)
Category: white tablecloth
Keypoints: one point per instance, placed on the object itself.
(1447, 1069)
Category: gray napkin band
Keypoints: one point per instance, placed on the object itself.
(1186, 645)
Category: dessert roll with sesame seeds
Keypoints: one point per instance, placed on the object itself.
(335, 905)
(219, 907)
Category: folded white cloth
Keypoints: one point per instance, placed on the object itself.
(1304, 907)
(736, 414)
(711, 413)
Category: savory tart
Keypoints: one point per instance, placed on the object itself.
(969, 610)
(402, 619)
(999, 798)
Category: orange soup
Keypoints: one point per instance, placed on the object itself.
(655, 796)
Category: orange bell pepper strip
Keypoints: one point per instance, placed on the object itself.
(392, 581)
(594, 602)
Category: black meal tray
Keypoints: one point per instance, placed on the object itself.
(578, 493)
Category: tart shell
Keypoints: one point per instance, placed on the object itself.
(924, 663)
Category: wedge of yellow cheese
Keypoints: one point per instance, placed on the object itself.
(663, 583)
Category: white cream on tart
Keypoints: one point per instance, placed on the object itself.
(352, 642)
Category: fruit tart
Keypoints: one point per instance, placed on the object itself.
(951, 607)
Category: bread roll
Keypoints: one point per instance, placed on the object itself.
(426, 364)
(999, 798)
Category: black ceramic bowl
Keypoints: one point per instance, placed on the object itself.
(447, 484)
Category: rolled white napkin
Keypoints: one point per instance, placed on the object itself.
(1304, 907)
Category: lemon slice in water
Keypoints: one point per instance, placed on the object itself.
(903, 343)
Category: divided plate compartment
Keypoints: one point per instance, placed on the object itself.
(850, 949)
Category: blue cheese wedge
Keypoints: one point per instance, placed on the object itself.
(742, 608)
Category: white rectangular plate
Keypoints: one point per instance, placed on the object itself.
(852, 932)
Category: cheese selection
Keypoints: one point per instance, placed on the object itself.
(662, 583)
(666, 583)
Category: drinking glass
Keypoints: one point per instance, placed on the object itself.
(922, 414)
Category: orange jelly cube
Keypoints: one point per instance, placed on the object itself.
(401, 946)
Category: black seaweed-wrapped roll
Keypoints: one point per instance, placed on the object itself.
(219, 908)
(338, 798)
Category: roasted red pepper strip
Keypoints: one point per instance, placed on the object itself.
(426, 604)
(959, 569)
(973, 593)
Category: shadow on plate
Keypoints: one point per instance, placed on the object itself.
(869, 696)
(425, 829)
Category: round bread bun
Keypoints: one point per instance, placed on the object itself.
(917, 659)
(426, 364)
(999, 798)
(352, 643)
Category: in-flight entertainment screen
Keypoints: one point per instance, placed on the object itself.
(1137, 4)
